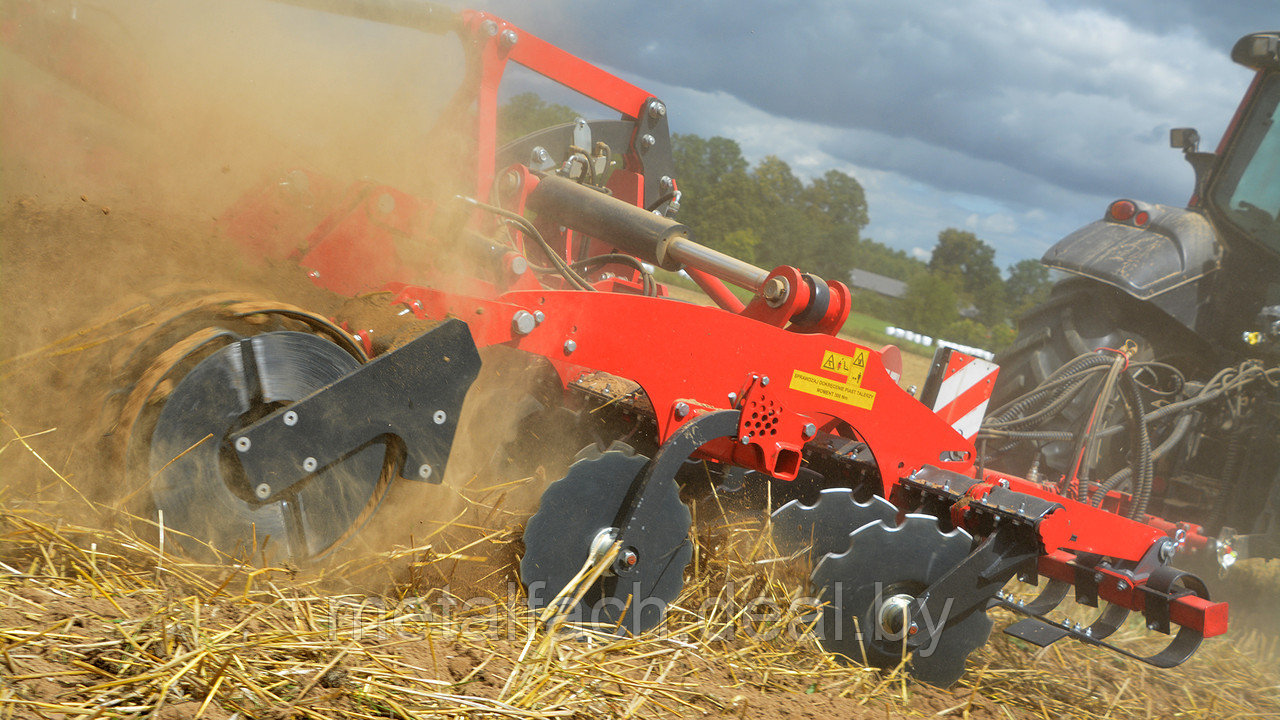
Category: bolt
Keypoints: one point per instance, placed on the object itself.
(1121, 586)
(489, 27)
(745, 440)
(1002, 482)
(665, 182)
(539, 316)
(657, 110)
(242, 444)
(523, 322)
(629, 557)
(764, 381)
(314, 274)
(509, 39)
(682, 409)
(439, 417)
(518, 265)
(291, 418)
(424, 471)
(569, 347)
(733, 398)
(809, 431)
(310, 464)
(775, 291)
(1167, 549)
(263, 491)
(511, 180)
(647, 141)
(913, 629)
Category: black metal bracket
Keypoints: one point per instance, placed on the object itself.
(636, 520)
(414, 393)
(972, 584)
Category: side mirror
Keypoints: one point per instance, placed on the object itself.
(1258, 51)
(1185, 139)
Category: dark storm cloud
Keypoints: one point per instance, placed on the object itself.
(1025, 102)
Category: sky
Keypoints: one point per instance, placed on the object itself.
(1019, 120)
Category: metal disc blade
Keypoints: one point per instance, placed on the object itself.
(825, 525)
(197, 482)
(883, 561)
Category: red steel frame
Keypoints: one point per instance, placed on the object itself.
(704, 358)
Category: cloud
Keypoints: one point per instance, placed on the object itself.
(1035, 105)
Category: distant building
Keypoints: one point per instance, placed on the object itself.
(886, 286)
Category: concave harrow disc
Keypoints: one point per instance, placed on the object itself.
(211, 365)
(885, 564)
(580, 509)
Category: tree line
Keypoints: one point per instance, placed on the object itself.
(767, 215)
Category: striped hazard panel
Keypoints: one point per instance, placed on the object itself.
(958, 389)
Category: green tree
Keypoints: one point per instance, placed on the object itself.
(1028, 285)
(719, 202)
(970, 262)
(527, 113)
(931, 303)
(840, 198)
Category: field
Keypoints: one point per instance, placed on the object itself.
(422, 616)
(115, 176)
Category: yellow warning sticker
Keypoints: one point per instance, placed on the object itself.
(846, 392)
(850, 367)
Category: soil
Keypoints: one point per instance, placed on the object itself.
(113, 190)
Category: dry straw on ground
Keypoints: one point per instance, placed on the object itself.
(103, 623)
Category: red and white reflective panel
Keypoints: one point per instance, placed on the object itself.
(959, 388)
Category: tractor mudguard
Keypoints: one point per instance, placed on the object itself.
(1161, 263)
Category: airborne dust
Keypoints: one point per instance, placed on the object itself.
(128, 130)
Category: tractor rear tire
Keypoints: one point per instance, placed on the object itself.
(1079, 317)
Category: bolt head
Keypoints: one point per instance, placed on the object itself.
(809, 431)
(682, 409)
(539, 316)
(775, 291)
(657, 110)
(523, 322)
(489, 27)
(569, 347)
(647, 141)
(518, 265)
(764, 381)
(509, 38)
(629, 557)
(745, 440)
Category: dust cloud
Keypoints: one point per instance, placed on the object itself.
(128, 129)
